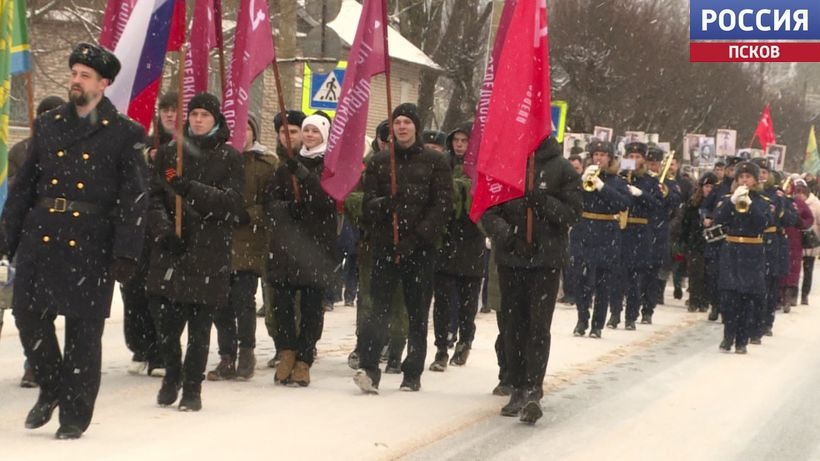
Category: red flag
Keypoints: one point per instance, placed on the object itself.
(141, 51)
(518, 118)
(117, 13)
(345, 145)
(176, 37)
(203, 40)
(116, 17)
(483, 104)
(252, 52)
(765, 128)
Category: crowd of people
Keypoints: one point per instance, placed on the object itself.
(741, 235)
(96, 201)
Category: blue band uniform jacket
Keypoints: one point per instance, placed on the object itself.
(597, 241)
(741, 265)
(639, 237)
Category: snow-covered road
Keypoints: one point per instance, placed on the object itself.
(663, 389)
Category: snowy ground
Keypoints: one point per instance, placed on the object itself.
(330, 419)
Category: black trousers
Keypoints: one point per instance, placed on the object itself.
(597, 281)
(236, 322)
(639, 286)
(712, 291)
(171, 318)
(737, 311)
(696, 264)
(528, 302)
(415, 273)
(138, 325)
(770, 304)
(72, 377)
(651, 290)
(311, 315)
(459, 294)
(808, 271)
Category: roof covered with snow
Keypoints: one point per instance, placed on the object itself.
(400, 48)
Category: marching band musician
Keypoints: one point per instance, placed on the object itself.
(596, 240)
(659, 220)
(776, 249)
(638, 236)
(745, 215)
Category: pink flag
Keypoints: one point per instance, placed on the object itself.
(252, 52)
(518, 118)
(116, 17)
(203, 40)
(483, 105)
(368, 57)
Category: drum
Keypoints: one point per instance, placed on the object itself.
(714, 233)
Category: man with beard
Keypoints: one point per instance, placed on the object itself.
(75, 223)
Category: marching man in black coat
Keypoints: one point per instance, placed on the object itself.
(528, 273)
(74, 224)
(188, 276)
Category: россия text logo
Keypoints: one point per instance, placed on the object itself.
(754, 31)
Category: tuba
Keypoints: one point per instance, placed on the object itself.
(589, 184)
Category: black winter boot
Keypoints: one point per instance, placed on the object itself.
(516, 403)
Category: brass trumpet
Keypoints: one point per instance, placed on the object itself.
(589, 184)
(786, 185)
(743, 203)
(667, 162)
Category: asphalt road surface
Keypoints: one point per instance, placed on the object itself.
(677, 399)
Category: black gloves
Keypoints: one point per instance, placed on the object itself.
(242, 217)
(296, 168)
(180, 185)
(296, 210)
(173, 244)
(123, 269)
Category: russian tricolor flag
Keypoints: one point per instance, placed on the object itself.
(152, 28)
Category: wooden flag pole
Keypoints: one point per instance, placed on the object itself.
(30, 96)
(220, 43)
(392, 142)
(284, 114)
(183, 51)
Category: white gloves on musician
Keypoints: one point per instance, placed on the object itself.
(591, 174)
(636, 192)
(739, 192)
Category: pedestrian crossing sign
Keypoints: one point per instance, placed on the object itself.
(322, 91)
(559, 119)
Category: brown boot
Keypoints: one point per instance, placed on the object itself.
(225, 370)
(287, 360)
(301, 374)
(246, 363)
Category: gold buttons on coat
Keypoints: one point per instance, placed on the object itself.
(76, 214)
(54, 181)
(72, 243)
(80, 185)
(86, 156)
(105, 122)
(60, 153)
(46, 239)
